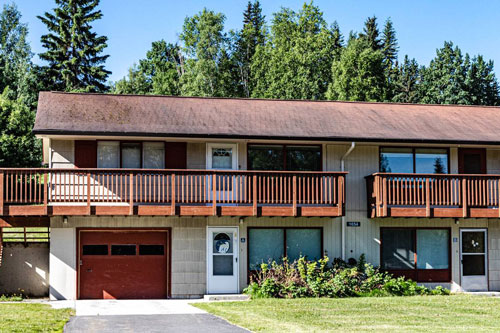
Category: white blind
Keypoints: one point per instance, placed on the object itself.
(108, 154)
(131, 155)
(153, 155)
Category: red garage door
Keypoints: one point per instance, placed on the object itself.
(123, 264)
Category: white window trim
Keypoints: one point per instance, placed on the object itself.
(209, 148)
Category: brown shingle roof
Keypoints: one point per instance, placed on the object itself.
(104, 114)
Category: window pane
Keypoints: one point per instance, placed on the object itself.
(223, 265)
(265, 157)
(431, 161)
(95, 250)
(303, 158)
(153, 155)
(432, 249)
(397, 160)
(108, 154)
(222, 242)
(151, 250)
(473, 264)
(303, 242)
(264, 246)
(472, 242)
(398, 249)
(131, 155)
(222, 158)
(123, 250)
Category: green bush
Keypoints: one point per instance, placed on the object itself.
(304, 278)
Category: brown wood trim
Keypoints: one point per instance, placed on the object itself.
(236, 211)
(24, 210)
(168, 230)
(276, 211)
(111, 210)
(154, 210)
(196, 210)
(69, 210)
(320, 211)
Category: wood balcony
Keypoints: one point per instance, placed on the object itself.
(51, 192)
(433, 195)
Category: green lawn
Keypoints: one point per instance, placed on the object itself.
(30, 317)
(418, 313)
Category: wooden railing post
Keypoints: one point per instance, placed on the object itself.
(384, 198)
(45, 192)
(88, 193)
(172, 193)
(131, 194)
(294, 195)
(378, 201)
(2, 175)
(214, 194)
(427, 197)
(498, 193)
(464, 197)
(254, 195)
(340, 196)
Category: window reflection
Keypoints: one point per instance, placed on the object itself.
(410, 160)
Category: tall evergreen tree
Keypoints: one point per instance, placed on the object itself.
(406, 82)
(390, 52)
(481, 82)
(359, 74)
(73, 49)
(246, 42)
(371, 33)
(296, 62)
(443, 82)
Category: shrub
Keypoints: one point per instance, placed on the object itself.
(304, 278)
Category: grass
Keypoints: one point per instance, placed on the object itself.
(29, 317)
(415, 314)
(34, 234)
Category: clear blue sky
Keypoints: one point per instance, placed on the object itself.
(421, 26)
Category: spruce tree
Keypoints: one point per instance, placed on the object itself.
(371, 33)
(406, 82)
(482, 85)
(73, 49)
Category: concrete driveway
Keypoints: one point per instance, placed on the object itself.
(142, 316)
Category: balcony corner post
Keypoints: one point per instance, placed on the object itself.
(45, 192)
(88, 193)
(254, 195)
(464, 197)
(172, 194)
(384, 198)
(427, 198)
(498, 192)
(2, 175)
(131, 194)
(376, 189)
(214, 194)
(340, 196)
(294, 195)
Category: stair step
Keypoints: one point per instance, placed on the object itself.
(226, 297)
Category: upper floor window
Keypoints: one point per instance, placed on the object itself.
(414, 160)
(130, 155)
(284, 157)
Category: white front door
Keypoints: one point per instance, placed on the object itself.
(222, 261)
(474, 259)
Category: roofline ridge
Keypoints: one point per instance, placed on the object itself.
(274, 99)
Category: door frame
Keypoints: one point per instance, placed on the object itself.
(481, 151)
(168, 248)
(486, 248)
(211, 145)
(236, 254)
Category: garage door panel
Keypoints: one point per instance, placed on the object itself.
(141, 275)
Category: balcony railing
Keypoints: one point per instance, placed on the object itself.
(170, 192)
(433, 195)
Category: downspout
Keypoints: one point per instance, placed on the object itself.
(342, 168)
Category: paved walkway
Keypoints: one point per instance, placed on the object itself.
(142, 316)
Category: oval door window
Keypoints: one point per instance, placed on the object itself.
(222, 254)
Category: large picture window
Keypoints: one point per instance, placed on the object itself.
(413, 160)
(272, 244)
(284, 157)
(419, 254)
(130, 155)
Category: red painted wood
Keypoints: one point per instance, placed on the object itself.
(123, 277)
(175, 155)
(86, 154)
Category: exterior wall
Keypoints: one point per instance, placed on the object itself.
(188, 247)
(62, 154)
(25, 269)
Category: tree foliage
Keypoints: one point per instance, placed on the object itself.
(73, 49)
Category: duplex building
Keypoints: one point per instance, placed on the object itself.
(159, 196)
